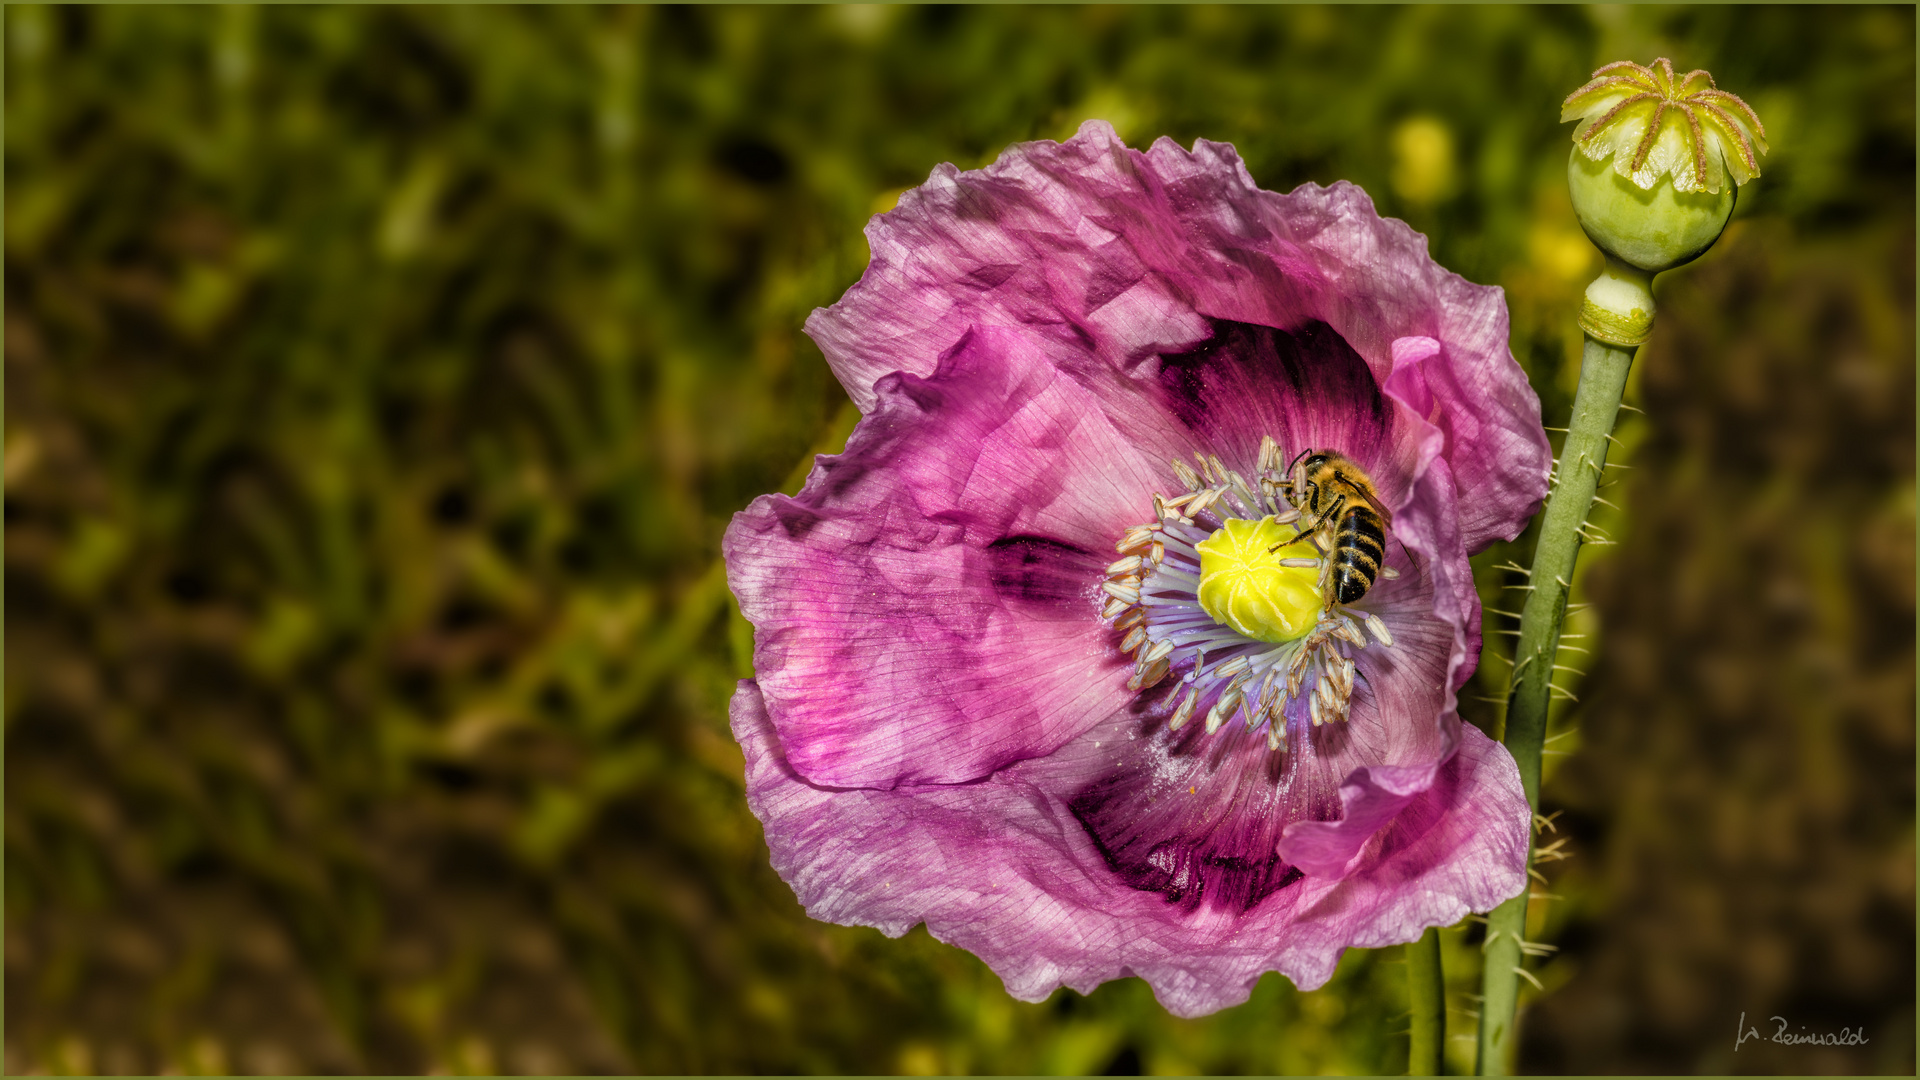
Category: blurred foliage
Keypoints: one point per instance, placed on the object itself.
(379, 382)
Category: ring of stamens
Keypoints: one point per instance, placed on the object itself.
(1152, 596)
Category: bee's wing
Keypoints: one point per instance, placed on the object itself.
(1365, 491)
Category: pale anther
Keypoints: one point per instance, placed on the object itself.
(1233, 667)
(1203, 500)
(1185, 711)
(1188, 478)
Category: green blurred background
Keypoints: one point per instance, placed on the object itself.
(379, 382)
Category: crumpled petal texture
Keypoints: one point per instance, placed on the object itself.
(1005, 871)
(1132, 252)
(940, 730)
(921, 609)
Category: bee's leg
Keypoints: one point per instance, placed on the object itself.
(1333, 512)
(1331, 516)
(1304, 530)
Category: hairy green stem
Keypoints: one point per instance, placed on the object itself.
(1427, 990)
(1625, 293)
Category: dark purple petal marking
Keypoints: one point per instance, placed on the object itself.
(1154, 836)
(1306, 388)
(1041, 571)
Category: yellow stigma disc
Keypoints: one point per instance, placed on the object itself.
(1243, 585)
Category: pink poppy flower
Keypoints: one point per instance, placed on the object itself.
(967, 713)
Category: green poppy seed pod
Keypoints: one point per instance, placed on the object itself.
(1656, 160)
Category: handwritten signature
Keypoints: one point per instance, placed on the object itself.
(1845, 1036)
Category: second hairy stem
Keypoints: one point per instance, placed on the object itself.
(1427, 993)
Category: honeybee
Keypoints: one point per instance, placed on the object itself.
(1338, 503)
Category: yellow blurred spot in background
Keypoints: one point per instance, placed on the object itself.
(1562, 251)
(1104, 103)
(1423, 169)
(919, 1059)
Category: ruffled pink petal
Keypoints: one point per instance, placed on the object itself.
(1429, 521)
(1369, 799)
(1490, 446)
(1047, 237)
(927, 609)
(1454, 846)
(1132, 252)
(1003, 869)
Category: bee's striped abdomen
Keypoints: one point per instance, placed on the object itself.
(1359, 547)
